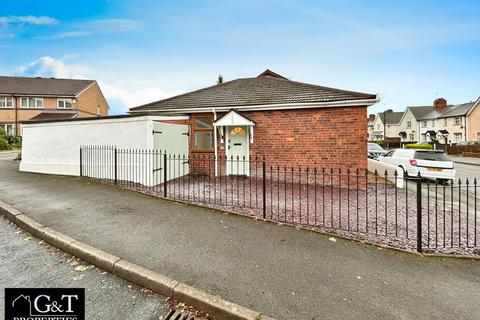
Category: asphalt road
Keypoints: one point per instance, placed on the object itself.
(26, 261)
(465, 171)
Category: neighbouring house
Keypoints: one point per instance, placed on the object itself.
(391, 119)
(442, 122)
(24, 98)
(287, 122)
(462, 123)
(370, 126)
(408, 128)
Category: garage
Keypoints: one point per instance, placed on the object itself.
(53, 147)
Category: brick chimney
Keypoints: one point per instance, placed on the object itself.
(439, 103)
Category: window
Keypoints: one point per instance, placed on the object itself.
(203, 133)
(378, 126)
(431, 155)
(6, 102)
(31, 102)
(424, 124)
(457, 136)
(409, 124)
(389, 153)
(458, 121)
(412, 137)
(9, 129)
(445, 122)
(433, 123)
(64, 103)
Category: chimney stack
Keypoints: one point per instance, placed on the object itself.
(371, 117)
(439, 103)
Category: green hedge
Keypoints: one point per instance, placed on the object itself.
(419, 146)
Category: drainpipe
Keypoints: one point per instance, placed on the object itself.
(16, 114)
(465, 127)
(215, 141)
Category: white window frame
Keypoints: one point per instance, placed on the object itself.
(458, 121)
(65, 100)
(6, 130)
(28, 103)
(424, 124)
(409, 124)
(5, 102)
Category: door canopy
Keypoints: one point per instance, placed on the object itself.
(233, 119)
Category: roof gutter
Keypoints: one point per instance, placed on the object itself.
(261, 107)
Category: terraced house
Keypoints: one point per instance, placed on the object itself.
(24, 98)
(442, 122)
(271, 116)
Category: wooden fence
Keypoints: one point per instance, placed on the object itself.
(471, 150)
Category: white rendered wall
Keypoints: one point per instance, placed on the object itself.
(381, 167)
(54, 147)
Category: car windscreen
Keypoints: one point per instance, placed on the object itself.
(433, 156)
(373, 146)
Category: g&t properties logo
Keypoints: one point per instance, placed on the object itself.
(44, 304)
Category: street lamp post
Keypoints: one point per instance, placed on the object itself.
(385, 141)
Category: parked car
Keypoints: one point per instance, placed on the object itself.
(432, 164)
(374, 150)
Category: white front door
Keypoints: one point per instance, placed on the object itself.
(237, 151)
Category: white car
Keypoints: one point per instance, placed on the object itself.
(432, 164)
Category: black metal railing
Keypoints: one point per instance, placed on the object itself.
(423, 215)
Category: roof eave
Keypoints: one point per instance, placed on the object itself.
(266, 107)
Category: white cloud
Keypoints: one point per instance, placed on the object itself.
(47, 67)
(132, 98)
(37, 20)
(117, 95)
(68, 34)
(93, 27)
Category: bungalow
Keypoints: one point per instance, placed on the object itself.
(285, 121)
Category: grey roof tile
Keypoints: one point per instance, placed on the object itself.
(459, 110)
(392, 117)
(268, 88)
(55, 115)
(42, 86)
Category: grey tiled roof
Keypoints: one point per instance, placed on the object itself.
(434, 113)
(429, 112)
(42, 86)
(459, 110)
(46, 115)
(419, 111)
(392, 117)
(262, 90)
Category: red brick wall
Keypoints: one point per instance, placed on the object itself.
(326, 137)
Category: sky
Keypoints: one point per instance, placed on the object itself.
(408, 52)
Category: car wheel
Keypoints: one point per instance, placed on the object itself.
(445, 182)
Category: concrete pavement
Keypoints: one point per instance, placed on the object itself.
(27, 263)
(277, 270)
(465, 160)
